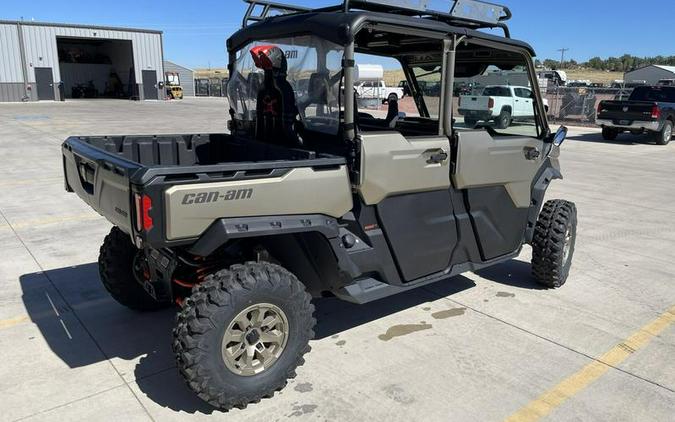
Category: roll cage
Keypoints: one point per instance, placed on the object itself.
(342, 24)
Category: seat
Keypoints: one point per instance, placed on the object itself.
(276, 109)
(317, 94)
(392, 113)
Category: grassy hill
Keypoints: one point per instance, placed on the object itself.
(211, 73)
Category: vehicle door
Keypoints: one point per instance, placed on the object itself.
(496, 168)
(405, 176)
(523, 102)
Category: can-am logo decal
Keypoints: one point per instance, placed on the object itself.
(216, 196)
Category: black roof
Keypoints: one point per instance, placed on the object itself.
(340, 27)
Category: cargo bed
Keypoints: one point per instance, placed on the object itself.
(152, 186)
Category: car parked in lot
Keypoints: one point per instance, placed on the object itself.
(379, 90)
(501, 104)
(649, 109)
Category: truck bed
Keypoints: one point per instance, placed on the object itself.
(112, 173)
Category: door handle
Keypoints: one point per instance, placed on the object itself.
(436, 156)
(532, 153)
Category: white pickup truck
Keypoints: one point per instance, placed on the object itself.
(378, 90)
(499, 103)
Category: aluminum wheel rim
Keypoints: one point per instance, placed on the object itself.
(667, 134)
(567, 246)
(255, 339)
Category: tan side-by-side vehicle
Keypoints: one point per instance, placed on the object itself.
(309, 196)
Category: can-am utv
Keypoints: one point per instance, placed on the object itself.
(308, 196)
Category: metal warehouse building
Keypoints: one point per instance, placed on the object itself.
(652, 74)
(45, 61)
(186, 77)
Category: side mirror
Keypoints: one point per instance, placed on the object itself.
(559, 136)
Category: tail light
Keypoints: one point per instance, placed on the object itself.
(599, 108)
(143, 207)
(491, 102)
(656, 112)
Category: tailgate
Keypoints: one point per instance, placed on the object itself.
(100, 179)
(627, 111)
(473, 102)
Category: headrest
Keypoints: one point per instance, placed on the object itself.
(317, 87)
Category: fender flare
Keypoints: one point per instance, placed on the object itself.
(547, 173)
(225, 229)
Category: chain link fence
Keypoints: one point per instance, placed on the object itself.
(211, 87)
(579, 104)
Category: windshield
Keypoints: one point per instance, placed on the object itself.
(497, 91)
(314, 74)
(660, 94)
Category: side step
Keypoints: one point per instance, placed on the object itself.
(366, 290)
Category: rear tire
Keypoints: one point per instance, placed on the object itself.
(225, 351)
(609, 134)
(553, 243)
(504, 120)
(116, 262)
(664, 137)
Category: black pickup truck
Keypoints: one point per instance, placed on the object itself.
(648, 109)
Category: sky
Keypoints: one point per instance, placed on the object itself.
(195, 35)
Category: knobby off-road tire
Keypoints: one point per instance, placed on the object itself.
(215, 310)
(553, 243)
(116, 262)
(666, 134)
(609, 134)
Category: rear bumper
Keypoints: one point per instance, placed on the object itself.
(476, 114)
(635, 125)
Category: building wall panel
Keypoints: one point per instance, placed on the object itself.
(10, 55)
(651, 74)
(40, 46)
(41, 49)
(11, 91)
(186, 76)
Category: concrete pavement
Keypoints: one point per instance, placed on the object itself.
(480, 346)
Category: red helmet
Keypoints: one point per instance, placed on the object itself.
(269, 57)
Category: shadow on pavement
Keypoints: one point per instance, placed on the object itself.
(512, 273)
(83, 326)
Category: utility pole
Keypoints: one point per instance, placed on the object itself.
(562, 56)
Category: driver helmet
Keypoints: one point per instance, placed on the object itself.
(269, 57)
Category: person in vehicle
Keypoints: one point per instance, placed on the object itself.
(276, 109)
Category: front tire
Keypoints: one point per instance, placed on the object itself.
(664, 137)
(553, 243)
(120, 264)
(609, 134)
(242, 334)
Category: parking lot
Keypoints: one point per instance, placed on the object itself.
(486, 346)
